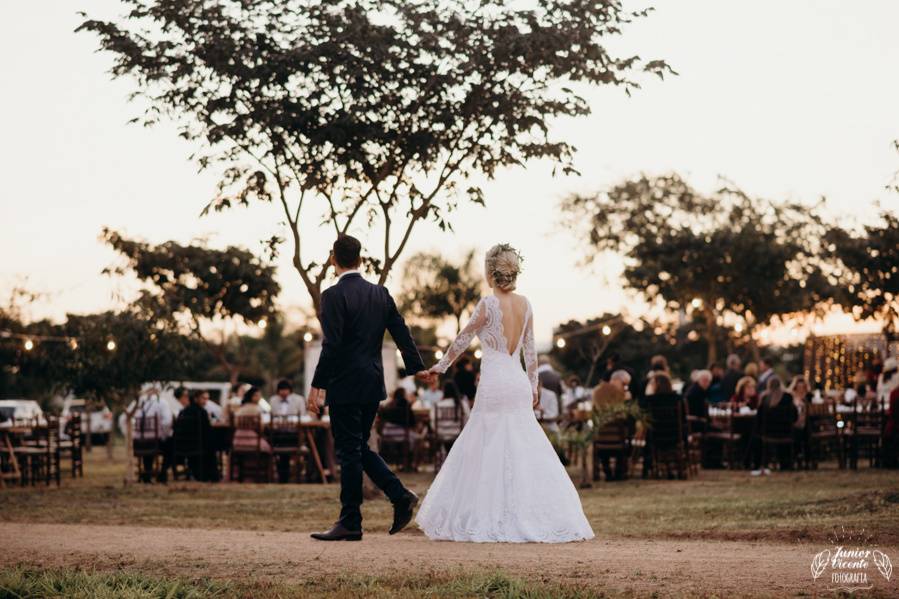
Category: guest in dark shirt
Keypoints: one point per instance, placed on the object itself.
(776, 416)
(465, 378)
(193, 429)
(732, 376)
(659, 393)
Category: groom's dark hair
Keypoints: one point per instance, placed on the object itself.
(346, 251)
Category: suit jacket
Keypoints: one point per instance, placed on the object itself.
(354, 316)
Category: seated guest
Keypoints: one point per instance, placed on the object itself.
(802, 397)
(285, 402)
(152, 408)
(657, 364)
(890, 383)
(192, 427)
(659, 392)
(432, 394)
(745, 395)
(451, 398)
(182, 397)
(732, 376)
(612, 392)
(609, 395)
(752, 369)
(697, 395)
(246, 438)
(212, 409)
(716, 392)
(399, 423)
(776, 416)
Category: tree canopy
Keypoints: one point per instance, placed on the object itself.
(723, 253)
(364, 113)
(195, 286)
(435, 288)
(869, 272)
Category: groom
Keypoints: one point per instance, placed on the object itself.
(354, 316)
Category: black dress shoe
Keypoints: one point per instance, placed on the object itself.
(402, 512)
(338, 533)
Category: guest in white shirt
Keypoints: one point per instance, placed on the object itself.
(432, 394)
(285, 402)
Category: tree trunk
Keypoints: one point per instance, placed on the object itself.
(711, 329)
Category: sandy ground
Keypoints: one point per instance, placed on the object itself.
(667, 567)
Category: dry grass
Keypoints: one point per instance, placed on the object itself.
(719, 504)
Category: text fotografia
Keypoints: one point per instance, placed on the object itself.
(851, 568)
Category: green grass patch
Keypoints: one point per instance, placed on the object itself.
(28, 583)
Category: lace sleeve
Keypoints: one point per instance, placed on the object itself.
(530, 350)
(475, 324)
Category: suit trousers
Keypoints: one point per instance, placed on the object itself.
(351, 427)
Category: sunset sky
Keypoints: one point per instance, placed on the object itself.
(795, 99)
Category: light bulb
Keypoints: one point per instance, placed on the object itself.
(606, 330)
(560, 343)
(307, 337)
(29, 345)
(478, 354)
(110, 345)
(438, 354)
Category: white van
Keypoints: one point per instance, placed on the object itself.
(99, 424)
(20, 411)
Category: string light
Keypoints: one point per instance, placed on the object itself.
(262, 323)
(560, 342)
(307, 337)
(110, 345)
(29, 345)
(438, 354)
(478, 354)
(73, 343)
(696, 303)
(607, 330)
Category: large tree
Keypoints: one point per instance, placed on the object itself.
(722, 254)
(202, 289)
(436, 288)
(364, 114)
(869, 271)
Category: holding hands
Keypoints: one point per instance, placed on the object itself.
(315, 401)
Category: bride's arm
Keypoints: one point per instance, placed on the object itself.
(530, 356)
(475, 324)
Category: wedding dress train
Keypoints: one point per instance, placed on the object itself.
(502, 480)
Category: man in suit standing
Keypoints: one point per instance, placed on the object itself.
(350, 378)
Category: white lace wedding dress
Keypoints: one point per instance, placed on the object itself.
(502, 480)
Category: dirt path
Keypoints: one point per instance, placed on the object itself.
(668, 567)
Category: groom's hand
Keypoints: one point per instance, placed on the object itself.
(316, 401)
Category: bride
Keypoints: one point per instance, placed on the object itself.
(502, 480)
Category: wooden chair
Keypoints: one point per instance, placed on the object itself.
(9, 464)
(396, 445)
(823, 434)
(448, 424)
(728, 438)
(865, 435)
(287, 442)
(666, 439)
(71, 445)
(37, 456)
(250, 452)
(147, 447)
(612, 440)
(776, 437)
(188, 448)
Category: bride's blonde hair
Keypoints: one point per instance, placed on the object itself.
(502, 265)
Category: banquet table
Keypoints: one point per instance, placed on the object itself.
(314, 431)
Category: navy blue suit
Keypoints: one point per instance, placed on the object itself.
(354, 316)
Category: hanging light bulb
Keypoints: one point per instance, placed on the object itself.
(438, 354)
(110, 345)
(307, 336)
(73, 343)
(560, 342)
(696, 302)
(606, 330)
(478, 354)
(262, 323)
(29, 345)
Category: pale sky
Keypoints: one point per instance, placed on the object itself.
(790, 99)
